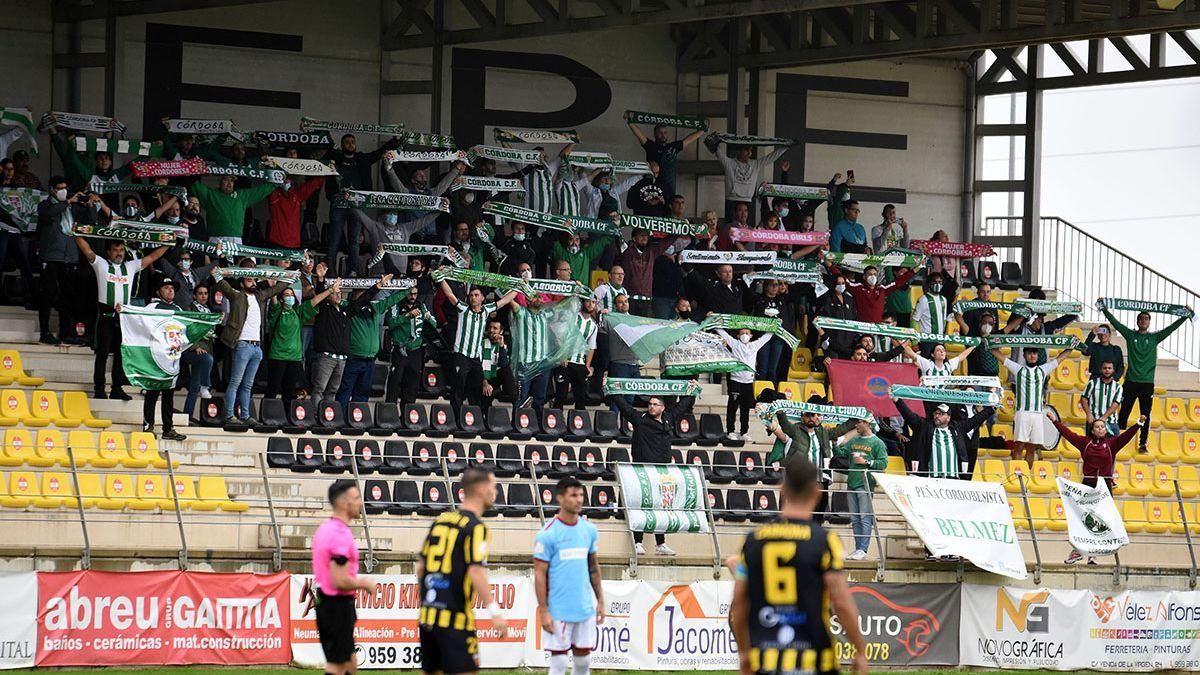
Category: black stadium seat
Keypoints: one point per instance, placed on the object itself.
(366, 453)
(737, 506)
(617, 455)
(553, 425)
(441, 421)
(425, 460)
(989, 273)
(525, 423)
(520, 500)
(480, 455)
(434, 498)
(676, 456)
(967, 275)
(376, 496)
(455, 457)
(562, 462)
(470, 423)
(387, 419)
(716, 503)
(509, 463)
(415, 420)
(687, 430)
(603, 503)
(724, 468)
(579, 426)
(379, 382)
(280, 454)
(591, 463)
(358, 418)
(698, 458)
(271, 416)
(308, 455)
(330, 418)
(406, 498)
(537, 459)
(772, 475)
(337, 456)
(212, 412)
(300, 414)
(498, 423)
(711, 430)
(547, 500)
(750, 470)
(765, 507)
(396, 459)
(433, 382)
(606, 426)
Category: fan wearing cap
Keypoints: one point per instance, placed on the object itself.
(814, 441)
(939, 444)
(164, 298)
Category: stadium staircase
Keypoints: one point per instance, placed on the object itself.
(251, 500)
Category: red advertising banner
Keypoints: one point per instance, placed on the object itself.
(866, 383)
(90, 618)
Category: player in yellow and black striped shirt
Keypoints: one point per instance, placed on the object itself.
(452, 572)
(788, 577)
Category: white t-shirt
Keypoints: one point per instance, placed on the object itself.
(114, 283)
(252, 329)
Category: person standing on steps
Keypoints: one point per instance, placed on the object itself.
(164, 298)
(244, 332)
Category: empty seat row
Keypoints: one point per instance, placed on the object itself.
(1153, 517)
(12, 370)
(514, 500)
(16, 409)
(115, 492)
(48, 447)
(1137, 480)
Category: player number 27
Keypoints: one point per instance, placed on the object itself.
(779, 578)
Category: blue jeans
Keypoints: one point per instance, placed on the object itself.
(199, 375)
(768, 359)
(356, 381)
(535, 387)
(862, 518)
(664, 308)
(243, 368)
(623, 370)
(343, 224)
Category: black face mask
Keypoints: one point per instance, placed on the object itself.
(685, 315)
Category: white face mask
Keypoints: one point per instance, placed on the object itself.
(840, 288)
(519, 236)
(670, 251)
(185, 265)
(573, 249)
(783, 212)
(526, 275)
(872, 279)
(986, 329)
(469, 198)
(744, 338)
(131, 211)
(391, 219)
(60, 195)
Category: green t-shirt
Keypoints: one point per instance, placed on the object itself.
(367, 326)
(285, 325)
(1142, 348)
(408, 331)
(873, 450)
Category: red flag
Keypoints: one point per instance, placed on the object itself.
(866, 383)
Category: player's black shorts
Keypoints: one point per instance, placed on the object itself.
(448, 650)
(335, 625)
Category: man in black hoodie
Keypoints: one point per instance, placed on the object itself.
(331, 335)
(354, 168)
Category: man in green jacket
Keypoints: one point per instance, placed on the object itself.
(815, 442)
(580, 256)
(365, 328)
(226, 207)
(864, 454)
(1143, 360)
(406, 324)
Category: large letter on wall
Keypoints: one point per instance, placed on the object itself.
(469, 113)
(164, 85)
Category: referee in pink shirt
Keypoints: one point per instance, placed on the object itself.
(335, 569)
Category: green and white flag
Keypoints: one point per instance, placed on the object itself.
(153, 340)
(698, 353)
(961, 381)
(860, 261)
(289, 276)
(898, 332)
(21, 206)
(801, 192)
(666, 120)
(20, 117)
(999, 340)
(499, 154)
(542, 341)
(645, 386)
(673, 226)
(1094, 523)
(536, 136)
(648, 338)
(663, 498)
(835, 414)
(311, 124)
(275, 176)
(1113, 304)
(953, 396)
(1049, 306)
(117, 147)
(762, 324)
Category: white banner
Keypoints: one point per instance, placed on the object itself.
(1079, 629)
(654, 625)
(386, 634)
(1094, 525)
(18, 621)
(962, 518)
(299, 167)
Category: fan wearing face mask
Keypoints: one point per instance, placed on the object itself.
(285, 207)
(418, 183)
(741, 383)
(932, 314)
(391, 229)
(872, 293)
(186, 274)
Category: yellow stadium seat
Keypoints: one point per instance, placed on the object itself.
(1058, 516)
(1133, 511)
(23, 486)
(152, 493)
(1190, 511)
(1128, 452)
(1140, 480)
(1156, 415)
(18, 447)
(45, 406)
(1175, 413)
(1065, 376)
(1169, 449)
(1008, 404)
(1068, 408)
(792, 390)
(895, 466)
(1120, 478)
(1082, 380)
(1162, 482)
(1068, 470)
(994, 471)
(1039, 510)
(1004, 431)
(91, 490)
(7, 500)
(1041, 478)
(1190, 453)
(83, 445)
(1189, 481)
(813, 389)
(185, 489)
(50, 449)
(118, 492)
(760, 385)
(1160, 391)
(802, 360)
(15, 406)
(1017, 508)
(13, 371)
(75, 405)
(113, 446)
(57, 491)
(1067, 451)
(1158, 517)
(214, 490)
(144, 446)
(1193, 414)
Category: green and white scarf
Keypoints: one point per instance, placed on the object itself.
(200, 246)
(125, 230)
(393, 201)
(289, 276)
(202, 127)
(275, 176)
(648, 387)
(666, 120)
(964, 306)
(489, 183)
(828, 413)
(790, 271)
(762, 324)
(80, 122)
(418, 249)
(358, 283)
(21, 205)
(1001, 340)
(739, 139)
(117, 147)
(107, 188)
(630, 166)
(697, 257)
(590, 160)
(698, 353)
(535, 136)
(500, 154)
(801, 192)
(299, 167)
(424, 156)
(897, 332)
(21, 117)
(672, 226)
(571, 224)
(310, 124)
(1112, 304)
(1049, 306)
(951, 396)
(429, 140)
(960, 381)
(311, 140)
(556, 287)
(230, 250)
(500, 282)
(861, 261)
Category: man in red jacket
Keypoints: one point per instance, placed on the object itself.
(870, 295)
(286, 205)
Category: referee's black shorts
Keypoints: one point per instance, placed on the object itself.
(335, 625)
(447, 650)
